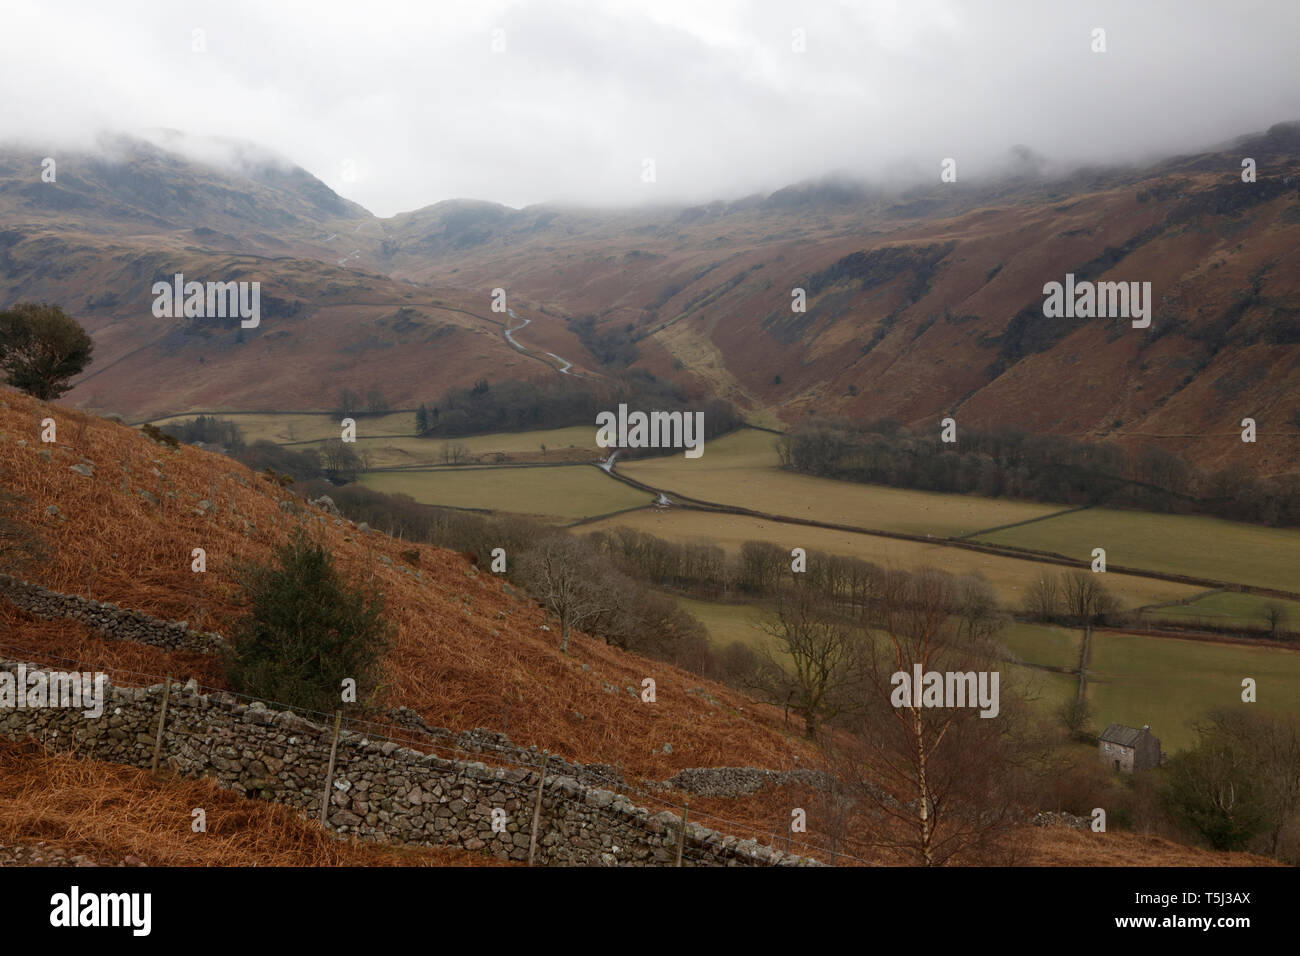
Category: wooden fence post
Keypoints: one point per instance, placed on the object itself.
(162, 720)
(329, 776)
(537, 807)
(681, 837)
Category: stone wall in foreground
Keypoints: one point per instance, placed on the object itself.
(381, 790)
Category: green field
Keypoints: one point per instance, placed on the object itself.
(307, 429)
(730, 622)
(1229, 607)
(306, 426)
(1008, 576)
(1042, 644)
(1046, 690)
(742, 469)
(566, 492)
(1134, 679)
(1183, 544)
(412, 451)
(1168, 683)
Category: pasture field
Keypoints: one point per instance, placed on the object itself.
(1046, 690)
(575, 436)
(567, 492)
(577, 442)
(307, 429)
(1169, 683)
(305, 426)
(1008, 576)
(1228, 607)
(1042, 644)
(742, 469)
(1183, 544)
(727, 622)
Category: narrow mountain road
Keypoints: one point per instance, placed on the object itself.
(509, 332)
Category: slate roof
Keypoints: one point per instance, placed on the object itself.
(1122, 735)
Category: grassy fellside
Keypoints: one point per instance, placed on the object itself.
(567, 492)
(1008, 576)
(1182, 544)
(305, 426)
(742, 468)
(1169, 682)
(1229, 607)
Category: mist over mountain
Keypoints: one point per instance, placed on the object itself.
(920, 298)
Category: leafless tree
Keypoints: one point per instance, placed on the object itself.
(761, 566)
(349, 403)
(1265, 747)
(1043, 596)
(1275, 616)
(1085, 598)
(813, 672)
(941, 780)
(454, 453)
(339, 461)
(978, 616)
(566, 577)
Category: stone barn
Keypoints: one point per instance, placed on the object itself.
(1128, 749)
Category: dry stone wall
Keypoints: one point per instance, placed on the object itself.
(742, 781)
(110, 620)
(381, 790)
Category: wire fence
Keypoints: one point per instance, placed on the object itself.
(385, 729)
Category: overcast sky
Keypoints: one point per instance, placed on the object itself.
(400, 103)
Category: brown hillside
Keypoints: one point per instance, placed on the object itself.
(58, 806)
(921, 302)
(467, 654)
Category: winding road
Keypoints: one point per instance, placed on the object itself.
(511, 339)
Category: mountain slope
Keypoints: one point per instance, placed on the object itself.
(921, 302)
(468, 653)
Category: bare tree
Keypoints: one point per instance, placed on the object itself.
(816, 676)
(942, 779)
(339, 461)
(761, 565)
(567, 578)
(1275, 616)
(1077, 716)
(979, 619)
(1085, 598)
(1043, 596)
(1244, 782)
(454, 453)
(349, 402)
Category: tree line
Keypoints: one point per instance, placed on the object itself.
(570, 578)
(559, 403)
(1010, 462)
